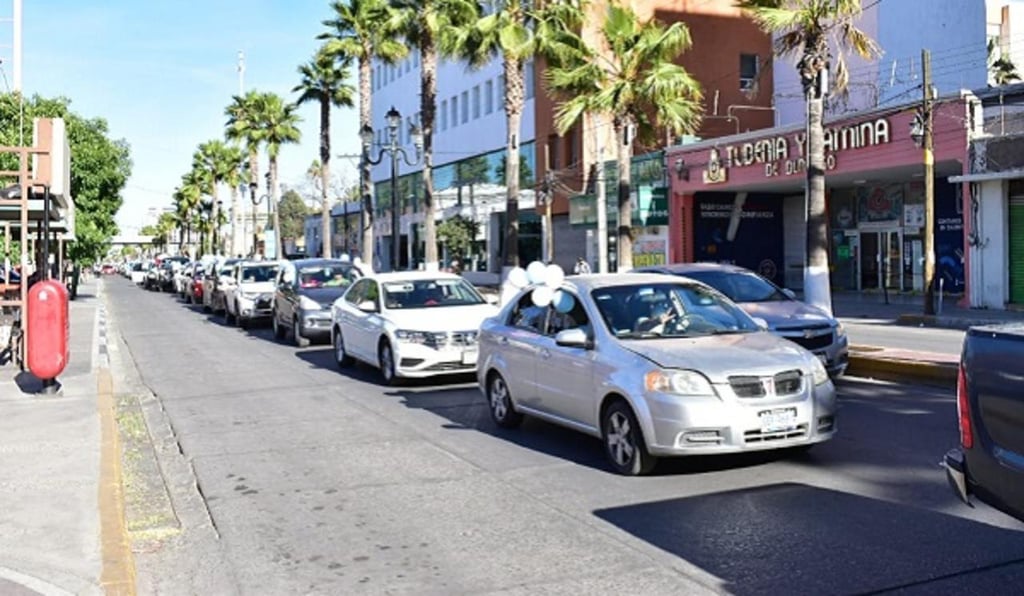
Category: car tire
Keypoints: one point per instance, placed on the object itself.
(279, 331)
(341, 356)
(499, 401)
(300, 340)
(386, 363)
(241, 322)
(229, 319)
(624, 443)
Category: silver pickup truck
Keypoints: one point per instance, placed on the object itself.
(989, 463)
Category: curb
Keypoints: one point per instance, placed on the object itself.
(943, 322)
(905, 371)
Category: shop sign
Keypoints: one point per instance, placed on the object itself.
(649, 251)
(786, 155)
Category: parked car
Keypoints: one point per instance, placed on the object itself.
(138, 272)
(195, 294)
(786, 316)
(108, 269)
(989, 463)
(654, 366)
(304, 291)
(251, 292)
(409, 324)
(218, 275)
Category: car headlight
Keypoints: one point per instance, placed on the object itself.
(840, 330)
(681, 382)
(413, 337)
(818, 372)
(307, 303)
(249, 295)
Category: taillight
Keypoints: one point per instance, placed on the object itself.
(963, 410)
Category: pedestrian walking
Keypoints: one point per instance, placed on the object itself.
(581, 267)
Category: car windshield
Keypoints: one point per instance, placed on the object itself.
(259, 273)
(647, 310)
(327, 276)
(430, 293)
(740, 286)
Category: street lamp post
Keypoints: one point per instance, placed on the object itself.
(394, 119)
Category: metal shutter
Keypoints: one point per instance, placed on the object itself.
(1016, 246)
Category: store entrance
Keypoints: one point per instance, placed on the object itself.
(881, 260)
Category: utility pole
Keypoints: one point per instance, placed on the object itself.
(602, 206)
(929, 185)
(549, 198)
(17, 46)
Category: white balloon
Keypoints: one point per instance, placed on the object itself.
(535, 272)
(554, 276)
(542, 295)
(517, 278)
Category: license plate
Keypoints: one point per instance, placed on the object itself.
(777, 420)
(469, 357)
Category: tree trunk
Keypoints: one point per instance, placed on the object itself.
(366, 191)
(428, 99)
(254, 190)
(235, 248)
(278, 242)
(514, 99)
(817, 290)
(326, 245)
(624, 250)
(215, 210)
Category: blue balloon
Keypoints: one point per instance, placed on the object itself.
(563, 301)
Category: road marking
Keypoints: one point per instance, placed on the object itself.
(118, 573)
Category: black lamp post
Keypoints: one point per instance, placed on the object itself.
(392, 149)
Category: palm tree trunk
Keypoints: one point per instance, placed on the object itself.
(278, 241)
(514, 98)
(327, 245)
(367, 187)
(817, 290)
(428, 99)
(215, 218)
(235, 248)
(624, 249)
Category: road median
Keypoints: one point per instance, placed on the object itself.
(904, 366)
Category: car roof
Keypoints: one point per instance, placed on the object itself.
(593, 281)
(412, 276)
(321, 262)
(684, 268)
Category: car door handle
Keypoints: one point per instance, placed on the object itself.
(503, 340)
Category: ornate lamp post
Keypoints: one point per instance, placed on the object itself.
(393, 150)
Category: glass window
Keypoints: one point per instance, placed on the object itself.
(740, 287)
(749, 69)
(408, 64)
(430, 293)
(327, 276)
(465, 108)
(489, 97)
(258, 273)
(444, 114)
(575, 318)
(528, 82)
(500, 99)
(476, 102)
(641, 311)
(416, 58)
(527, 315)
(455, 111)
(355, 295)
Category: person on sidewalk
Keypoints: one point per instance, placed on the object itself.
(581, 267)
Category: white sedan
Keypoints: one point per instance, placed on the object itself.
(409, 324)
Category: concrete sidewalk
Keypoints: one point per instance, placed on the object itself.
(50, 465)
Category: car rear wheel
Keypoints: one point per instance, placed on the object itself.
(386, 362)
(300, 340)
(500, 400)
(229, 319)
(341, 356)
(624, 442)
(276, 324)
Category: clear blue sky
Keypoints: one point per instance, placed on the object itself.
(161, 73)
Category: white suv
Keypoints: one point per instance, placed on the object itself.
(250, 294)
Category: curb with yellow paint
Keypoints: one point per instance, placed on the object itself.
(118, 573)
(864, 364)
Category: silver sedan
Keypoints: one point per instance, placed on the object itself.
(654, 366)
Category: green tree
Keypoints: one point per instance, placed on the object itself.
(517, 30)
(220, 161)
(293, 212)
(525, 172)
(100, 167)
(457, 234)
(279, 123)
(1001, 69)
(808, 28)
(362, 30)
(243, 127)
(636, 80)
(325, 81)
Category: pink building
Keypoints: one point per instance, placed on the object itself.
(741, 199)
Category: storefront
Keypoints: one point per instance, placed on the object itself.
(740, 200)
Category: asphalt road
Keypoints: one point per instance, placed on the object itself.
(320, 481)
(889, 335)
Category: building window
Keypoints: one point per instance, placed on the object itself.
(465, 108)
(501, 91)
(408, 129)
(376, 77)
(528, 76)
(455, 111)
(391, 73)
(444, 114)
(552, 152)
(408, 64)
(476, 102)
(749, 69)
(488, 97)
(416, 58)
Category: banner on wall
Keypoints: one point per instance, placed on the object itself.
(949, 236)
(649, 251)
(758, 244)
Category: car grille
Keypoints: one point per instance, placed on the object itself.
(456, 339)
(788, 382)
(756, 436)
(263, 301)
(450, 366)
(811, 338)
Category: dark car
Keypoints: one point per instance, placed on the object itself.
(989, 463)
(304, 291)
(786, 316)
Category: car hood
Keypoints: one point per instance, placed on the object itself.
(719, 356)
(442, 318)
(788, 314)
(261, 287)
(323, 296)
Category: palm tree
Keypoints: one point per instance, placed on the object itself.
(186, 199)
(517, 30)
(1001, 69)
(234, 162)
(810, 28)
(278, 122)
(325, 82)
(218, 160)
(639, 78)
(425, 25)
(241, 127)
(362, 30)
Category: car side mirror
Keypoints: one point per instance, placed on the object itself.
(573, 338)
(789, 293)
(761, 323)
(367, 306)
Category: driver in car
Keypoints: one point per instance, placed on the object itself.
(662, 314)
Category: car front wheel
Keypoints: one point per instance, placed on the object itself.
(624, 442)
(341, 356)
(300, 340)
(276, 324)
(500, 400)
(386, 362)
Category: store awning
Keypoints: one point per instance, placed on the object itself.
(988, 176)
